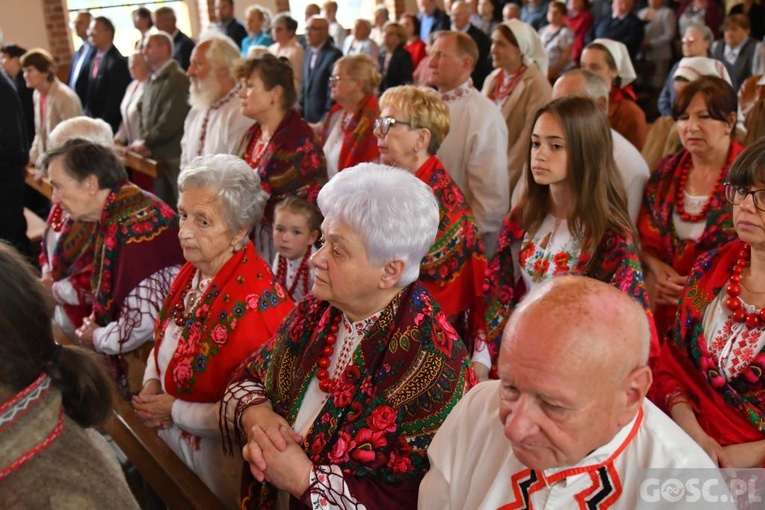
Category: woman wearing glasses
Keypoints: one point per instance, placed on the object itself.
(712, 369)
(280, 145)
(347, 131)
(413, 124)
(684, 213)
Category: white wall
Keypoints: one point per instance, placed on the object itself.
(23, 23)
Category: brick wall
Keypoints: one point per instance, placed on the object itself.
(59, 35)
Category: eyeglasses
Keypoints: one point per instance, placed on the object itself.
(688, 39)
(385, 123)
(334, 79)
(737, 194)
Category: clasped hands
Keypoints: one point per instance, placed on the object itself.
(154, 406)
(274, 452)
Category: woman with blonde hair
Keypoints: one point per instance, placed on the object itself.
(413, 124)
(572, 219)
(347, 131)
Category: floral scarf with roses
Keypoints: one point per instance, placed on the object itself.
(239, 311)
(359, 141)
(453, 269)
(615, 261)
(136, 237)
(657, 230)
(291, 164)
(406, 375)
(730, 411)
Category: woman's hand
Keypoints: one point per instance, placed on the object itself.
(264, 417)
(288, 467)
(717, 453)
(154, 406)
(682, 413)
(746, 455)
(85, 332)
(47, 280)
(669, 283)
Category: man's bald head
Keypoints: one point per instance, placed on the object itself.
(582, 83)
(573, 365)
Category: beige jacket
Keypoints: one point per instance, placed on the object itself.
(61, 103)
(531, 93)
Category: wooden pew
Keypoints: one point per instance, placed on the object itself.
(177, 485)
(138, 163)
(43, 186)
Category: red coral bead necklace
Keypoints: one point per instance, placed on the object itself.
(685, 169)
(734, 303)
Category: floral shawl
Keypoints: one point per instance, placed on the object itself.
(615, 261)
(453, 269)
(292, 164)
(239, 312)
(136, 237)
(406, 375)
(733, 411)
(72, 259)
(657, 231)
(359, 142)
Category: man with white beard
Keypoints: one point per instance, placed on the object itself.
(215, 124)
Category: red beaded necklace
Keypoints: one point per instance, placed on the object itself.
(685, 169)
(179, 310)
(326, 384)
(733, 303)
(57, 219)
(300, 276)
(255, 151)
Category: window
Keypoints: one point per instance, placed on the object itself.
(120, 12)
(348, 11)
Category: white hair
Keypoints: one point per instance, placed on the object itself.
(242, 199)
(222, 52)
(595, 87)
(394, 212)
(93, 130)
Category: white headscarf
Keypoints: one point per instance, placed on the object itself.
(529, 44)
(693, 68)
(621, 56)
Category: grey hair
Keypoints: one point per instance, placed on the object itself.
(222, 52)
(394, 212)
(705, 31)
(241, 196)
(85, 128)
(595, 87)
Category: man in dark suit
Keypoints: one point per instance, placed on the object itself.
(109, 75)
(460, 16)
(228, 24)
(78, 71)
(320, 57)
(432, 19)
(14, 154)
(11, 61)
(622, 26)
(183, 45)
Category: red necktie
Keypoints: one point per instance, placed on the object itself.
(96, 62)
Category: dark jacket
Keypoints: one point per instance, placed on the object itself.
(105, 91)
(80, 85)
(236, 31)
(315, 98)
(628, 30)
(182, 48)
(482, 67)
(400, 68)
(441, 21)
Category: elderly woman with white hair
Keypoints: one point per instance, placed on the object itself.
(610, 60)
(66, 254)
(340, 407)
(223, 304)
(518, 86)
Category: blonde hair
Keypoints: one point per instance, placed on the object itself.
(400, 31)
(363, 68)
(423, 108)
